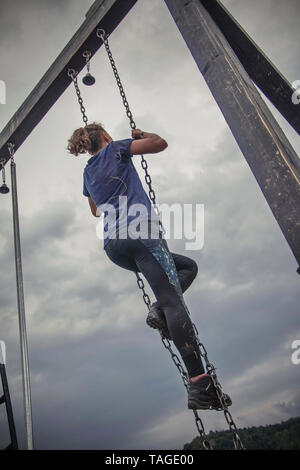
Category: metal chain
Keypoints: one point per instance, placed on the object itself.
(2, 167)
(101, 34)
(3, 175)
(73, 74)
(199, 424)
(4, 189)
(210, 368)
(141, 285)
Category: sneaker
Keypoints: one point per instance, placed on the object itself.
(156, 319)
(202, 395)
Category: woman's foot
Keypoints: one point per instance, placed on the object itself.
(202, 394)
(156, 319)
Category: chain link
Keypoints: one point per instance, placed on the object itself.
(11, 150)
(73, 74)
(210, 367)
(141, 285)
(2, 168)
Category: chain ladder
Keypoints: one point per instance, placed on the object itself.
(199, 424)
(211, 370)
(210, 367)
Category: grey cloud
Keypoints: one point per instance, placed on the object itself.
(291, 408)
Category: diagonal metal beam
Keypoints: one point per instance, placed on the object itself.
(106, 14)
(259, 67)
(270, 156)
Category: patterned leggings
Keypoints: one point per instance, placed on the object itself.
(169, 275)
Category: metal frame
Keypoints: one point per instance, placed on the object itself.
(259, 67)
(224, 54)
(21, 308)
(274, 163)
(106, 14)
(103, 13)
(265, 147)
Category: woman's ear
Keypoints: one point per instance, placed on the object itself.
(106, 137)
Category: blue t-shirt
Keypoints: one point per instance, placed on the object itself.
(111, 180)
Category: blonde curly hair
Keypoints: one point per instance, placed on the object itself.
(86, 139)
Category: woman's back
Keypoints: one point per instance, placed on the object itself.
(111, 180)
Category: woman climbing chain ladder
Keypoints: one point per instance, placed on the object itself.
(133, 240)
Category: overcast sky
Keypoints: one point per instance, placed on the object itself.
(100, 377)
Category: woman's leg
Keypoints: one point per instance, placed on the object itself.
(157, 265)
(187, 270)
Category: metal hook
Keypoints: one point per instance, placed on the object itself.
(88, 79)
(101, 34)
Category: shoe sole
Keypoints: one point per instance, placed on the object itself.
(196, 404)
(158, 324)
(202, 405)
